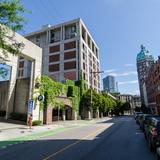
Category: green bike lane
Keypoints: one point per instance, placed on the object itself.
(37, 135)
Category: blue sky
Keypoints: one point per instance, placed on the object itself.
(118, 26)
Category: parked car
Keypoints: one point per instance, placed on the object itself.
(141, 120)
(138, 116)
(158, 153)
(152, 132)
(137, 113)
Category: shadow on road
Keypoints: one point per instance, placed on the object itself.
(107, 145)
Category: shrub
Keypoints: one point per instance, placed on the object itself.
(2, 113)
(70, 92)
(19, 116)
(36, 123)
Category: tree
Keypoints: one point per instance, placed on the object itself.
(11, 18)
(100, 102)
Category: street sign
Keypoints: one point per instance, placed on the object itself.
(30, 106)
(40, 98)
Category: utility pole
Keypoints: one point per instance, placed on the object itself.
(94, 73)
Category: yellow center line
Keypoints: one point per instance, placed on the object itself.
(70, 145)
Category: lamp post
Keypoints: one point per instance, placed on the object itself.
(94, 73)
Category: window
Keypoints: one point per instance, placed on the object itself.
(93, 59)
(89, 42)
(93, 47)
(54, 58)
(55, 35)
(83, 34)
(84, 76)
(21, 64)
(70, 45)
(37, 39)
(70, 31)
(54, 49)
(21, 57)
(70, 65)
(96, 52)
(20, 73)
(84, 66)
(83, 56)
(94, 66)
(69, 55)
(53, 67)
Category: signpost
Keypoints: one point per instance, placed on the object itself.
(30, 106)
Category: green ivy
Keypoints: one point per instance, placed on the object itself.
(50, 89)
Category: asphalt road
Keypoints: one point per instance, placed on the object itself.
(117, 139)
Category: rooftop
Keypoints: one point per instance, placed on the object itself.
(144, 54)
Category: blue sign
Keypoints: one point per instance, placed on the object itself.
(5, 72)
(40, 98)
(30, 106)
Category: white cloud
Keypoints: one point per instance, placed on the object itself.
(109, 70)
(129, 65)
(123, 74)
(128, 82)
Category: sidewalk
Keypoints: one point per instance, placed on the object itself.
(17, 132)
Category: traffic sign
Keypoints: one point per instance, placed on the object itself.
(30, 106)
(40, 98)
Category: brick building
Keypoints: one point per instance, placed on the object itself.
(154, 85)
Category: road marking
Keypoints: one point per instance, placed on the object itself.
(70, 145)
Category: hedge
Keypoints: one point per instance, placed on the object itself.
(36, 123)
(2, 113)
(19, 116)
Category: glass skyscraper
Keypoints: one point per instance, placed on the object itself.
(109, 84)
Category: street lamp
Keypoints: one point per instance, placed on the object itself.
(94, 73)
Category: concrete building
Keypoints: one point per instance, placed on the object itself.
(134, 100)
(109, 84)
(15, 93)
(17, 88)
(125, 98)
(68, 51)
(144, 61)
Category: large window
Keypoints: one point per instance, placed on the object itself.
(70, 65)
(21, 64)
(55, 35)
(70, 31)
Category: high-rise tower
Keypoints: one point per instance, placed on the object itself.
(109, 84)
(144, 61)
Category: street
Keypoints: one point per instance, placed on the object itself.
(116, 139)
